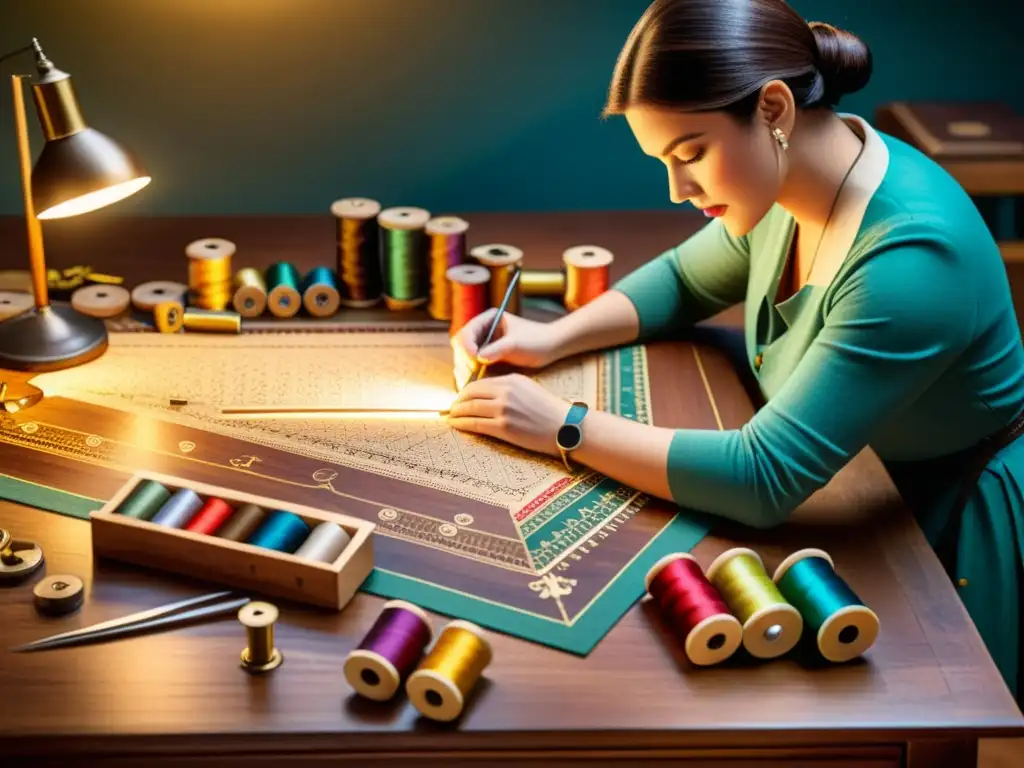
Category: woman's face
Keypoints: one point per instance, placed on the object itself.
(727, 169)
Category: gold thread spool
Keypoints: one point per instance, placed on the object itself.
(444, 679)
(250, 299)
(212, 321)
(260, 654)
(169, 316)
(771, 626)
(447, 248)
(587, 274)
(209, 272)
(543, 282)
(502, 260)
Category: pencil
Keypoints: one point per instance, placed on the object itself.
(479, 370)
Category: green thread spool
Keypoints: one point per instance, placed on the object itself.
(844, 627)
(405, 259)
(320, 294)
(145, 501)
(771, 626)
(283, 296)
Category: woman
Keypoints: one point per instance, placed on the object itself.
(877, 310)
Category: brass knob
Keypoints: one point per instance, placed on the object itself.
(18, 559)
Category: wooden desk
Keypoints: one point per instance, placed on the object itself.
(923, 696)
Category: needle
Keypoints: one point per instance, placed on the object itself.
(480, 369)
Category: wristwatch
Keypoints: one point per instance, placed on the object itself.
(570, 435)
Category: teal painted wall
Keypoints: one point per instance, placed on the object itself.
(281, 106)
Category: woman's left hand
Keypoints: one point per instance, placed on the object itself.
(513, 408)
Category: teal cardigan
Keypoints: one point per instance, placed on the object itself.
(904, 340)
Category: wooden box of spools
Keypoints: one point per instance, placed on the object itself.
(241, 540)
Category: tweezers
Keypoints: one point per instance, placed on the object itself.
(138, 623)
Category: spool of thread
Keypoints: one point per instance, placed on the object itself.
(443, 681)
(320, 295)
(543, 282)
(241, 525)
(406, 270)
(469, 293)
(447, 248)
(325, 544)
(281, 531)
(211, 321)
(209, 272)
(260, 654)
(359, 268)
(771, 626)
(501, 260)
(145, 500)
(693, 609)
(250, 299)
(58, 595)
(169, 316)
(587, 274)
(844, 628)
(179, 509)
(283, 296)
(213, 514)
(384, 659)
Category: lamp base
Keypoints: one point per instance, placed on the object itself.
(51, 339)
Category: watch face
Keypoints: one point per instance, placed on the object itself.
(569, 437)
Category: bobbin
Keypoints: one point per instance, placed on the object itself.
(501, 259)
(325, 543)
(446, 225)
(372, 675)
(406, 219)
(250, 297)
(169, 316)
(18, 559)
(582, 264)
(211, 321)
(436, 696)
(101, 301)
(771, 631)
(320, 298)
(13, 303)
(146, 296)
(355, 208)
(848, 632)
(260, 654)
(712, 640)
(283, 298)
(58, 595)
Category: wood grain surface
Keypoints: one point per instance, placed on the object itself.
(633, 701)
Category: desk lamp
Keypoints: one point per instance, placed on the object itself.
(79, 170)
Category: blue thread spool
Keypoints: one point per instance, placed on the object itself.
(179, 509)
(840, 626)
(282, 531)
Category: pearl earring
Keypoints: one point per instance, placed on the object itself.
(780, 137)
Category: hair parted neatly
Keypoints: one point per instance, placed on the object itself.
(698, 55)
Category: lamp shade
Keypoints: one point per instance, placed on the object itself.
(80, 169)
(82, 172)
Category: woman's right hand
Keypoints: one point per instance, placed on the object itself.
(516, 341)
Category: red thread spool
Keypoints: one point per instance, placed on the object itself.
(693, 609)
(469, 293)
(210, 516)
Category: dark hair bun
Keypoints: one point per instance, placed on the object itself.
(844, 61)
